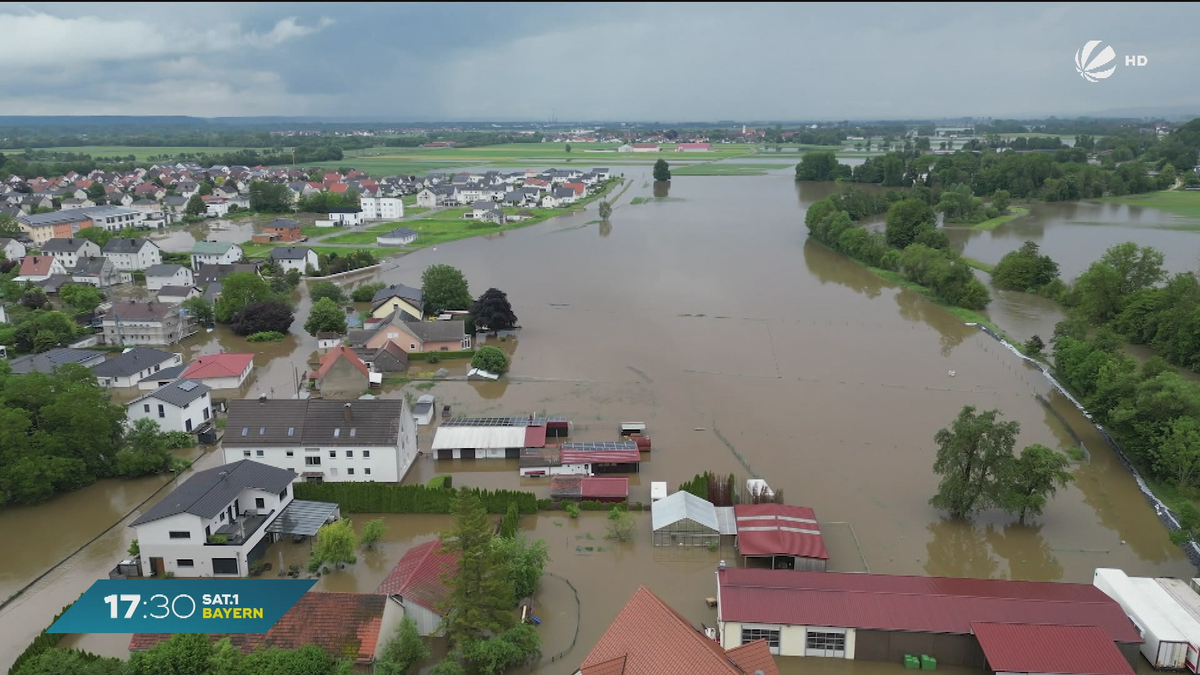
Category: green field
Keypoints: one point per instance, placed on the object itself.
(353, 238)
(991, 224)
(140, 153)
(727, 169)
(1180, 202)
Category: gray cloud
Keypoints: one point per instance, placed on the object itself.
(589, 61)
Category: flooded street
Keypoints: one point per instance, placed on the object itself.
(745, 349)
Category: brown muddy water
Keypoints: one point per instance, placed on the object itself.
(745, 349)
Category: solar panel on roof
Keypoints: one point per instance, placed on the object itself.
(601, 445)
(520, 421)
(187, 386)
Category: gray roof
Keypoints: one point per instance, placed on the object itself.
(175, 200)
(126, 245)
(165, 270)
(176, 291)
(290, 253)
(313, 422)
(140, 311)
(166, 374)
(89, 265)
(212, 291)
(437, 331)
(208, 492)
(681, 505)
(178, 393)
(65, 244)
(284, 222)
(400, 233)
(563, 192)
(132, 361)
(398, 290)
(48, 361)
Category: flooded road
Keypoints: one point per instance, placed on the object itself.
(748, 350)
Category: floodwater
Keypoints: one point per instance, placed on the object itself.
(181, 239)
(745, 349)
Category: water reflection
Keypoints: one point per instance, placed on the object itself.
(1029, 555)
(662, 188)
(959, 549)
(830, 267)
(605, 228)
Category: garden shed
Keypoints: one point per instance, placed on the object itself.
(683, 519)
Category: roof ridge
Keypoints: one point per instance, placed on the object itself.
(691, 629)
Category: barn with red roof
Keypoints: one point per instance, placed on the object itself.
(780, 536)
(415, 583)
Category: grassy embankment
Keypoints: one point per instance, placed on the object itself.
(1014, 212)
(1184, 203)
(727, 169)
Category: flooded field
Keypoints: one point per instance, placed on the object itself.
(748, 350)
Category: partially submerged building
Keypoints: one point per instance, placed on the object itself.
(780, 536)
(683, 519)
(489, 437)
(415, 585)
(586, 488)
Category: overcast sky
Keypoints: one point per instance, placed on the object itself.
(583, 61)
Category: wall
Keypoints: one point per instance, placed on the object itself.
(384, 310)
(383, 463)
(427, 621)
(173, 418)
(343, 377)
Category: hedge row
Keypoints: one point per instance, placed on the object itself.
(440, 482)
(441, 356)
(392, 498)
(44, 642)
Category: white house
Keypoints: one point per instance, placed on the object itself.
(182, 405)
(382, 208)
(427, 198)
(133, 365)
(348, 216)
(295, 258)
(115, 218)
(215, 523)
(132, 254)
(12, 249)
(215, 253)
(401, 236)
(68, 250)
(158, 276)
(39, 268)
(217, 208)
(324, 439)
(220, 371)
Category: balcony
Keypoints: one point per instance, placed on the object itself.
(241, 530)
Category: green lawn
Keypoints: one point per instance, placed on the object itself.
(1180, 202)
(139, 152)
(314, 231)
(253, 250)
(727, 169)
(1014, 213)
(979, 265)
(352, 238)
(409, 200)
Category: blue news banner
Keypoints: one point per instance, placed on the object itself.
(182, 606)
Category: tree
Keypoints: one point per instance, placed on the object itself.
(906, 219)
(239, 290)
(270, 197)
(200, 309)
(1033, 346)
(372, 532)
(1000, 200)
(605, 209)
(10, 228)
(1033, 477)
(182, 654)
(511, 522)
(497, 654)
(146, 450)
(526, 562)
(81, 297)
(325, 317)
(567, 147)
(492, 312)
(973, 460)
(662, 170)
(196, 206)
(335, 543)
(206, 189)
(480, 593)
(327, 289)
(821, 166)
(620, 525)
(34, 298)
(444, 287)
(1178, 452)
(1123, 270)
(1025, 270)
(70, 662)
(491, 359)
(402, 651)
(366, 292)
(96, 193)
(262, 317)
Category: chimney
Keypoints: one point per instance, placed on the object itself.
(262, 398)
(346, 415)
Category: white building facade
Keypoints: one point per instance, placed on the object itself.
(382, 208)
(182, 405)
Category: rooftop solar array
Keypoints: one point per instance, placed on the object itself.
(187, 385)
(520, 421)
(600, 445)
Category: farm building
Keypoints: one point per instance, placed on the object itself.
(545, 461)
(581, 488)
(594, 458)
(416, 584)
(781, 536)
(488, 437)
(1020, 648)
(683, 519)
(883, 617)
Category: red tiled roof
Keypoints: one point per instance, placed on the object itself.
(645, 145)
(601, 457)
(334, 355)
(218, 365)
(535, 437)
(648, 637)
(694, 145)
(778, 529)
(753, 657)
(1069, 650)
(36, 265)
(345, 625)
(339, 188)
(418, 575)
(604, 487)
(922, 604)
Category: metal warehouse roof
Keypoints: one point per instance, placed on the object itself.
(778, 529)
(670, 510)
(920, 604)
(1068, 650)
(453, 438)
(604, 487)
(600, 457)
(302, 517)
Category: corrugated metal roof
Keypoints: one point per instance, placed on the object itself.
(535, 437)
(1069, 650)
(726, 523)
(779, 529)
(604, 487)
(454, 438)
(923, 604)
(601, 457)
(680, 505)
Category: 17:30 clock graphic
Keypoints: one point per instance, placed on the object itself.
(159, 602)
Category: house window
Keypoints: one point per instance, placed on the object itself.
(145, 407)
(312, 461)
(827, 642)
(260, 503)
(283, 495)
(291, 453)
(367, 471)
(222, 516)
(333, 453)
(258, 453)
(245, 453)
(185, 562)
(224, 565)
(180, 535)
(771, 635)
(206, 414)
(187, 424)
(161, 413)
(350, 453)
(366, 454)
(350, 472)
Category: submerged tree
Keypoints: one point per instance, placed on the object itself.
(402, 651)
(973, 459)
(444, 287)
(480, 594)
(1034, 476)
(336, 543)
(662, 170)
(606, 210)
(493, 312)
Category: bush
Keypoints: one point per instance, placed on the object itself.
(327, 289)
(434, 357)
(44, 642)
(177, 440)
(490, 359)
(441, 482)
(572, 509)
(391, 498)
(266, 336)
(259, 317)
(589, 505)
(372, 533)
(218, 539)
(366, 292)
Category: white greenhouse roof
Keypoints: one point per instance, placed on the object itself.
(453, 437)
(672, 509)
(726, 521)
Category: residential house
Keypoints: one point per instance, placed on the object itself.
(132, 366)
(213, 524)
(346, 216)
(415, 584)
(481, 208)
(398, 297)
(324, 439)
(216, 207)
(98, 272)
(382, 208)
(427, 198)
(39, 268)
(414, 336)
(284, 230)
(74, 203)
(114, 218)
(602, 173)
(220, 371)
(160, 379)
(649, 637)
(401, 236)
(327, 340)
(215, 273)
(388, 358)
(145, 323)
(346, 626)
(11, 249)
(48, 361)
(340, 372)
(132, 254)
(177, 294)
(182, 405)
(69, 250)
(158, 276)
(215, 253)
(693, 147)
(151, 191)
(295, 258)
(300, 190)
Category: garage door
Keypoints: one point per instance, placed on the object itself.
(752, 632)
(825, 642)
